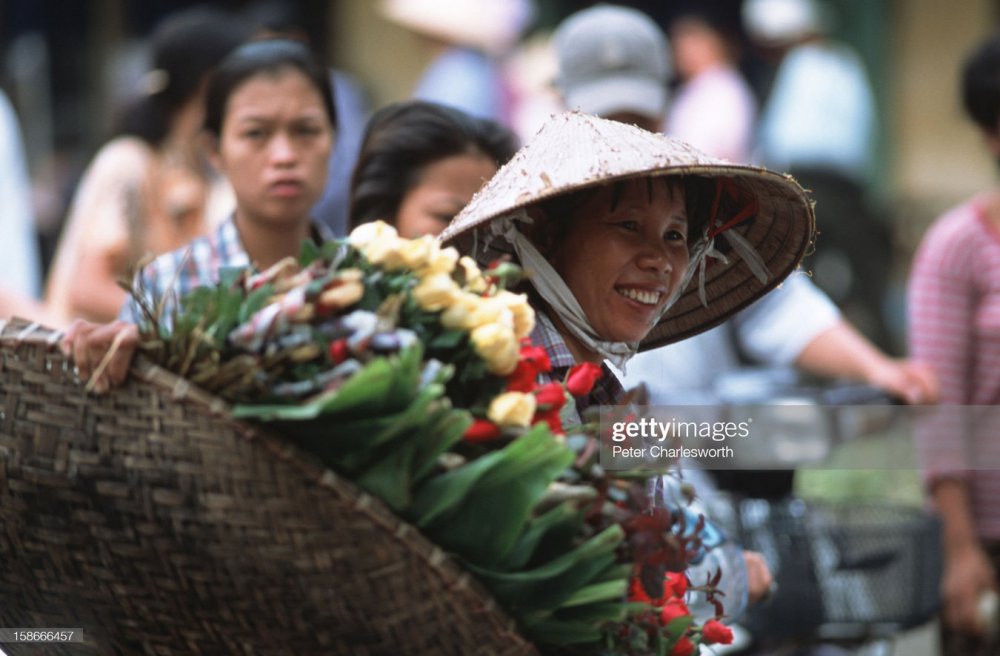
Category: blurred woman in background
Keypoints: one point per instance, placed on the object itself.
(150, 189)
(421, 163)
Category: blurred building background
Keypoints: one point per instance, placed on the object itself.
(67, 65)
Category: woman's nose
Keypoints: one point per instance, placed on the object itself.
(655, 255)
(282, 149)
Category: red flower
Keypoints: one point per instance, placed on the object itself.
(582, 377)
(532, 361)
(672, 610)
(338, 351)
(523, 378)
(638, 593)
(684, 647)
(552, 418)
(716, 633)
(550, 395)
(482, 430)
(675, 584)
(536, 356)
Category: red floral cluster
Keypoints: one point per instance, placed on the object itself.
(549, 397)
(670, 606)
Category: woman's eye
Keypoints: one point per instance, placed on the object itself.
(253, 134)
(308, 130)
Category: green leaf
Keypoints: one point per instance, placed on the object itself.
(442, 494)
(383, 385)
(255, 301)
(598, 592)
(563, 521)
(309, 252)
(442, 434)
(564, 632)
(448, 339)
(505, 492)
(553, 583)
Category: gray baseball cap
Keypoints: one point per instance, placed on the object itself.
(612, 59)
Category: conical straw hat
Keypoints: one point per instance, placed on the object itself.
(573, 151)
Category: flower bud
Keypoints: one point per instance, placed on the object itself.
(497, 346)
(512, 409)
(524, 314)
(436, 292)
(369, 233)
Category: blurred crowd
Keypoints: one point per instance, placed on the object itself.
(751, 81)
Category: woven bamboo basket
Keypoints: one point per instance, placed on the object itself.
(158, 525)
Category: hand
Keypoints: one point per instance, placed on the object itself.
(102, 353)
(967, 574)
(759, 579)
(913, 382)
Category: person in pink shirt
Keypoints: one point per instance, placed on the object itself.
(954, 326)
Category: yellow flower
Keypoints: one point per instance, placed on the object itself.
(458, 315)
(343, 295)
(387, 253)
(491, 310)
(441, 260)
(418, 252)
(524, 314)
(474, 280)
(436, 292)
(369, 233)
(512, 409)
(497, 346)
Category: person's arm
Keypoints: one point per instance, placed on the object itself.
(96, 249)
(968, 572)
(841, 351)
(13, 304)
(94, 290)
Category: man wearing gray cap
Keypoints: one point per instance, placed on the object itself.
(614, 62)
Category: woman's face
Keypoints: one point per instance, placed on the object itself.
(697, 47)
(274, 147)
(623, 262)
(442, 189)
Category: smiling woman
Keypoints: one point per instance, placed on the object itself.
(632, 239)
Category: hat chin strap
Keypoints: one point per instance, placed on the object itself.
(560, 298)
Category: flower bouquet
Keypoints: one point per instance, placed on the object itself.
(409, 370)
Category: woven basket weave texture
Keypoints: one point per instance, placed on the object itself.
(158, 525)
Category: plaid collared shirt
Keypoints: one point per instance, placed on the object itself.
(607, 390)
(197, 264)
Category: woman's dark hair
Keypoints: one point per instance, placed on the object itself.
(403, 138)
(265, 57)
(186, 47)
(699, 193)
(981, 85)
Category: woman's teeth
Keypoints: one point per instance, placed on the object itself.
(642, 296)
